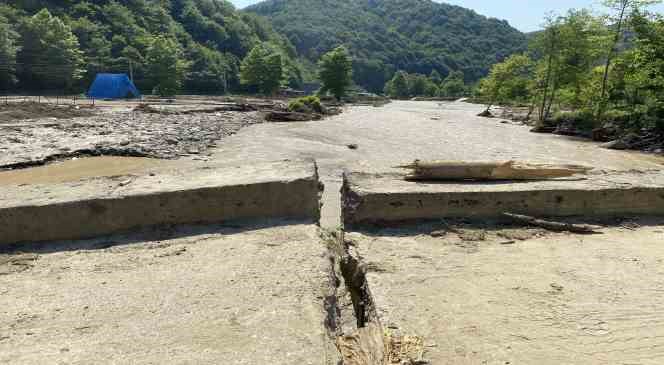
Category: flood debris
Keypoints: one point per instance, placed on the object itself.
(511, 170)
(135, 134)
(552, 225)
(281, 116)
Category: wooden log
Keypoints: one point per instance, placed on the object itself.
(276, 116)
(551, 225)
(511, 170)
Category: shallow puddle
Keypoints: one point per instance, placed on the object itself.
(80, 168)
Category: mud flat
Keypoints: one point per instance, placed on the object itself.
(374, 198)
(218, 295)
(84, 209)
(547, 299)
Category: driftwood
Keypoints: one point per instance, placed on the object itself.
(447, 170)
(275, 116)
(552, 226)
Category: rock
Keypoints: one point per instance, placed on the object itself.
(353, 146)
(485, 114)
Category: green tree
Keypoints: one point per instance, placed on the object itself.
(454, 85)
(582, 40)
(336, 72)
(622, 10)
(417, 84)
(8, 50)
(263, 69)
(166, 68)
(547, 46)
(508, 82)
(50, 53)
(435, 77)
(398, 87)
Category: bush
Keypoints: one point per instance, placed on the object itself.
(582, 119)
(307, 104)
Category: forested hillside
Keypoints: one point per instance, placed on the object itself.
(385, 36)
(62, 44)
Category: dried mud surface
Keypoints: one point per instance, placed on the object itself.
(199, 295)
(514, 296)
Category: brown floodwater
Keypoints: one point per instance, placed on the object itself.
(81, 168)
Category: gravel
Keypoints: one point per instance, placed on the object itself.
(117, 134)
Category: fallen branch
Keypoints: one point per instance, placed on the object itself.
(551, 225)
(511, 170)
(276, 116)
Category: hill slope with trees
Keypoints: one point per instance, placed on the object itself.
(386, 36)
(63, 44)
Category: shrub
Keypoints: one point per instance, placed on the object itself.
(307, 104)
(582, 119)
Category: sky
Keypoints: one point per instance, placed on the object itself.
(525, 15)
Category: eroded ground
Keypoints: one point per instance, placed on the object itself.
(257, 295)
(216, 295)
(506, 296)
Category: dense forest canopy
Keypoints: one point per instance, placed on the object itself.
(63, 44)
(385, 36)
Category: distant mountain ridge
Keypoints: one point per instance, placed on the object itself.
(384, 36)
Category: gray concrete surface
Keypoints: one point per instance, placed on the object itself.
(287, 189)
(215, 296)
(543, 299)
(369, 198)
(403, 131)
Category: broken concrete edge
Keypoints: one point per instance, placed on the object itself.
(66, 216)
(370, 200)
(352, 320)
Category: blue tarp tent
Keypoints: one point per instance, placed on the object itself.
(113, 86)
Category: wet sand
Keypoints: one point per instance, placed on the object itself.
(82, 168)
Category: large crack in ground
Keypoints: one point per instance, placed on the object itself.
(352, 320)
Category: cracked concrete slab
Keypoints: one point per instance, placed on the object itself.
(83, 209)
(378, 198)
(553, 299)
(216, 295)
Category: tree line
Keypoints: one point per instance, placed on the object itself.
(589, 69)
(199, 44)
(405, 85)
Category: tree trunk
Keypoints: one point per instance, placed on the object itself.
(549, 71)
(609, 59)
(488, 171)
